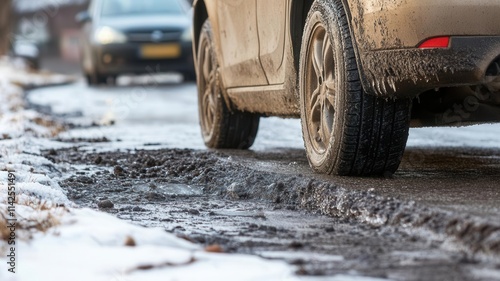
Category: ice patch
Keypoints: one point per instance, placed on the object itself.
(171, 189)
(290, 256)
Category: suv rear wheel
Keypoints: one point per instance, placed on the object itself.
(345, 130)
(220, 127)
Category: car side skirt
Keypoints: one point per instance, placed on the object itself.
(272, 100)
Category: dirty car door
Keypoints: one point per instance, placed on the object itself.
(271, 22)
(239, 43)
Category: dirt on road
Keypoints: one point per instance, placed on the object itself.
(214, 198)
(435, 219)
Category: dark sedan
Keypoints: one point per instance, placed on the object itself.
(136, 37)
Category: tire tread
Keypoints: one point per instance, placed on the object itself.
(233, 129)
(374, 130)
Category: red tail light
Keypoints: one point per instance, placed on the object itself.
(436, 42)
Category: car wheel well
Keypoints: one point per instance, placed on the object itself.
(298, 18)
(200, 15)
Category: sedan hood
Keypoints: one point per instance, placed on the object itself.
(149, 22)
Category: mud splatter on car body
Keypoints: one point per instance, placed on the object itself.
(354, 71)
(388, 34)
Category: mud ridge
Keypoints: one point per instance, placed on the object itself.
(218, 174)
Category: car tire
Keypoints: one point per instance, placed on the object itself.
(89, 79)
(112, 80)
(220, 126)
(189, 77)
(97, 79)
(88, 70)
(346, 131)
(101, 79)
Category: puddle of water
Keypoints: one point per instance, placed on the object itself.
(301, 255)
(487, 273)
(340, 277)
(231, 213)
(413, 258)
(171, 189)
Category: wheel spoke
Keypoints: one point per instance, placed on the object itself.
(315, 117)
(212, 101)
(326, 122)
(321, 133)
(316, 129)
(207, 65)
(330, 92)
(207, 112)
(328, 61)
(318, 57)
(211, 79)
(316, 100)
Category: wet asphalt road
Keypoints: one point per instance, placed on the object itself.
(461, 179)
(449, 174)
(454, 172)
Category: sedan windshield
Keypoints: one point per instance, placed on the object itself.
(140, 7)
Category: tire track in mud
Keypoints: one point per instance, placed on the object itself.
(219, 174)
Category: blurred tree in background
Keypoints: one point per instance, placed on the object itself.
(5, 12)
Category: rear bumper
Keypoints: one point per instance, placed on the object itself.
(400, 24)
(115, 59)
(411, 71)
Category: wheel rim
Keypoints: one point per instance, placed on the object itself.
(320, 89)
(208, 89)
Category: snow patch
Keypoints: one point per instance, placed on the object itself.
(57, 241)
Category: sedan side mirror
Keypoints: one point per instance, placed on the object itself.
(83, 17)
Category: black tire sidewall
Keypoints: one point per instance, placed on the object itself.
(231, 128)
(210, 135)
(327, 161)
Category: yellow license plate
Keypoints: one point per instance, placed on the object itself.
(160, 51)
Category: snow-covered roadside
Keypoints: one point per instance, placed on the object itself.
(55, 240)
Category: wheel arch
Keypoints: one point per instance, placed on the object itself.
(298, 15)
(199, 17)
(201, 14)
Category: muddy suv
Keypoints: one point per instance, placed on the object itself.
(357, 72)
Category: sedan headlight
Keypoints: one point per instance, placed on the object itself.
(107, 35)
(187, 35)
